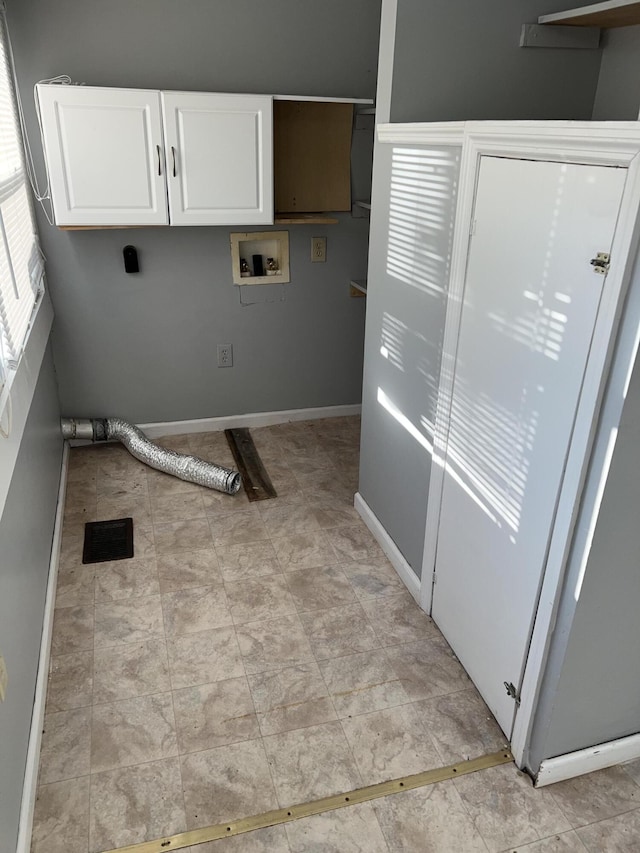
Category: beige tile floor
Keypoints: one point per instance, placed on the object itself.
(251, 656)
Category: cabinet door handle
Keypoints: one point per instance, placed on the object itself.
(159, 161)
(173, 154)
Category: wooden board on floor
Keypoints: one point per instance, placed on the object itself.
(256, 481)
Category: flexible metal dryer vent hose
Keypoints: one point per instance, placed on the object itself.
(189, 468)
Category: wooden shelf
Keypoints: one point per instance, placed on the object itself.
(361, 209)
(358, 286)
(304, 219)
(612, 13)
(104, 227)
(321, 100)
(280, 219)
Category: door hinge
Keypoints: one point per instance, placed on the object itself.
(511, 691)
(434, 579)
(472, 229)
(601, 263)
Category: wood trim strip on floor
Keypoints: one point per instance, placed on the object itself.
(257, 483)
(325, 804)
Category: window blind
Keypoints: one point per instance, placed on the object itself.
(21, 267)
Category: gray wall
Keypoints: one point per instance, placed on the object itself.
(451, 61)
(26, 531)
(590, 691)
(405, 324)
(144, 347)
(598, 696)
(461, 60)
(618, 93)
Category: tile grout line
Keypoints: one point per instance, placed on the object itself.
(547, 838)
(261, 737)
(593, 822)
(175, 720)
(577, 829)
(467, 811)
(93, 676)
(344, 734)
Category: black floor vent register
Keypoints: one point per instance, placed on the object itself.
(108, 540)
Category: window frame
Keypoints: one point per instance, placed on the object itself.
(13, 341)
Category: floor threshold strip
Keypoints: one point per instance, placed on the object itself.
(314, 807)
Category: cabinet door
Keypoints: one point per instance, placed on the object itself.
(530, 306)
(219, 158)
(104, 155)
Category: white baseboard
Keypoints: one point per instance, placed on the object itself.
(30, 786)
(256, 419)
(588, 760)
(404, 570)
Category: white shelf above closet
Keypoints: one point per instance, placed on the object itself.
(612, 13)
(360, 209)
(323, 100)
(358, 286)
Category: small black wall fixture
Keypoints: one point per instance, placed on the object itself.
(130, 254)
(258, 266)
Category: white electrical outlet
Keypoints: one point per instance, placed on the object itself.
(318, 249)
(225, 355)
(4, 678)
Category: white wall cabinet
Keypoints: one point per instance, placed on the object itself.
(219, 158)
(115, 156)
(105, 155)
